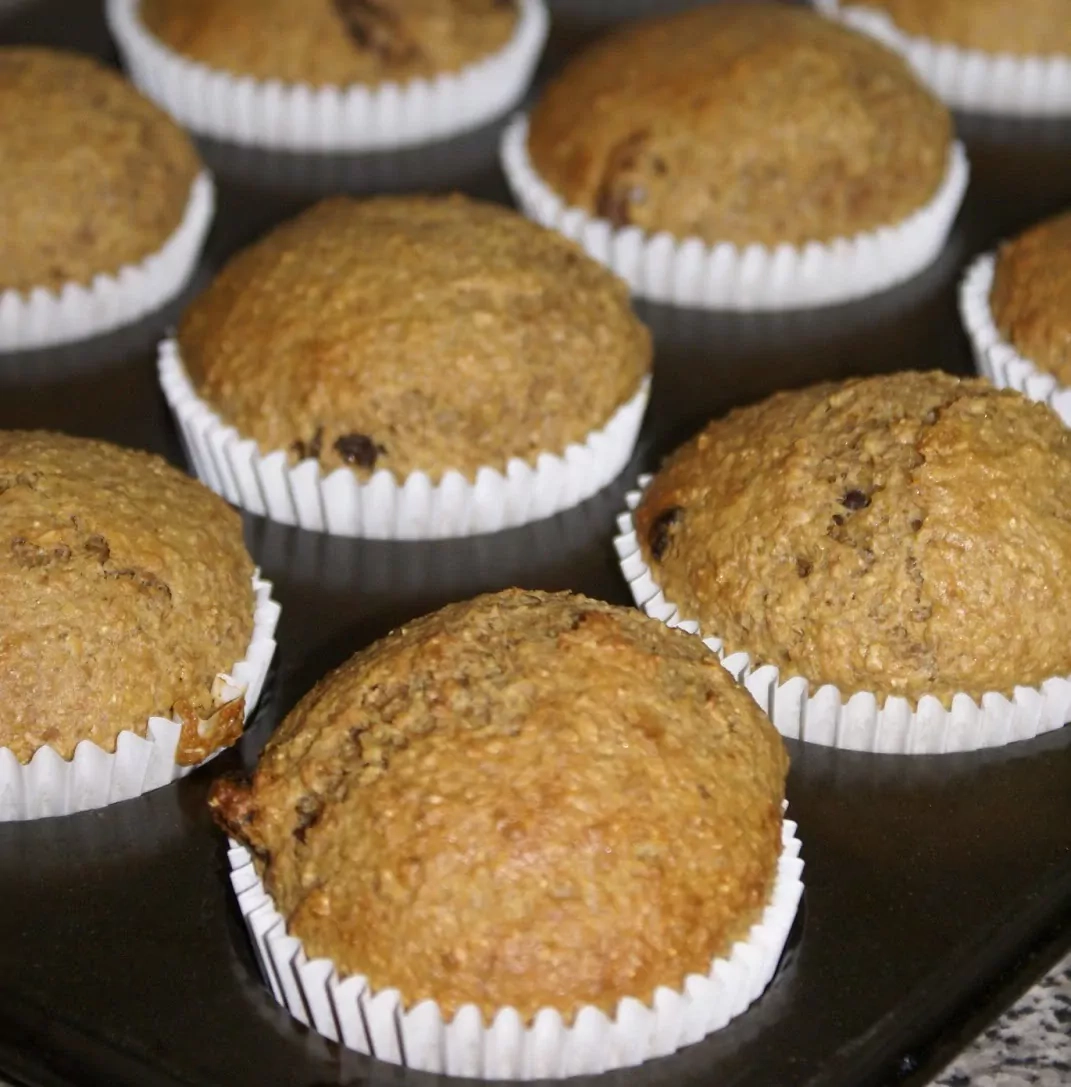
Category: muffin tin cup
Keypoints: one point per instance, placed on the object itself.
(969, 79)
(858, 722)
(995, 358)
(689, 272)
(382, 508)
(51, 785)
(299, 117)
(348, 1011)
(45, 318)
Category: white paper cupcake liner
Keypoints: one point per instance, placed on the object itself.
(382, 508)
(993, 355)
(377, 1024)
(689, 272)
(51, 785)
(299, 117)
(859, 722)
(969, 79)
(45, 318)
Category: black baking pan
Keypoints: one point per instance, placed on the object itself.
(936, 887)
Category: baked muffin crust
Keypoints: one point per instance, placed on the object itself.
(527, 799)
(94, 175)
(904, 534)
(1021, 28)
(126, 589)
(1031, 296)
(414, 333)
(741, 123)
(339, 42)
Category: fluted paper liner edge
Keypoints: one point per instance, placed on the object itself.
(377, 1024)
(969, 79)
(44, 318)
(51, 785)
(382, 508)
(995, 358)
(858, 722)
(299, 117)
(689, 272)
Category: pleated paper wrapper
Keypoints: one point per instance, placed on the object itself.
(689, 272)
(858, 722)
(969, 79)
(299, 117)
(381, 508)
(93, 778)
(377, 1024)
(993, 355)
(46, 318)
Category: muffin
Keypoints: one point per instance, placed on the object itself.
(96, 179)
(128, 591)
(740, 125)
(309, 73)
(908, 536)
(526, 800)
(406, 335)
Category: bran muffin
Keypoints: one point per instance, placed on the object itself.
(95, 176)
(746, 124)
(1031, 296)
(127, 589)
(414, 333)
(526, 799)
(1022, 28)
(332, 42)
(907, 534)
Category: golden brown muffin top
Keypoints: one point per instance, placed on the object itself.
(1020, 27)
(526, 799)
(907, 534)
(94, 176)
(414, 333)
(741, 123)
(1031, 297)
(126, 590)
(339, 42)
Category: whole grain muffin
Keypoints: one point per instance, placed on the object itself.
(751, 123)
(526, 799)
(414, 333)
(94, 176)
(126, 589)
(1019, 27)
(907, 534)
(1031, 296)
(339, 42)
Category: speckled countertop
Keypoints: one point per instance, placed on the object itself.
(1029, 1046)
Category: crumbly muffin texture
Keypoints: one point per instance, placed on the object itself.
(1031, 296)
(414, 333)
(527, 799)
(1019, 27)
(907, 534)
(338, 42)
(94, 175)
(735, 123)
(126, 589)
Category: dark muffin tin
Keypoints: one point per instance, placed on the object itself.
(936, 887)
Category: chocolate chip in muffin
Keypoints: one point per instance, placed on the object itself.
(373, 25)
(659, 534)
(359, 449)
(855, 500)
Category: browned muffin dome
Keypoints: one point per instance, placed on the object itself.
(94, 176)
(526, 799)
(1020, 27)
(126, 590)
(1031, 297)
(414, 333)
(905, 534)
(337, 42)
(741, 123)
